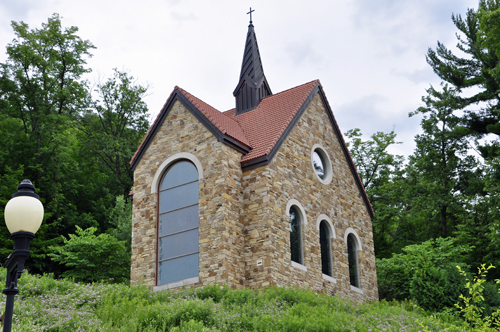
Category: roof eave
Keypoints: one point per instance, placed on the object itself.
(265, 160)
(347, 154)
(177, 95)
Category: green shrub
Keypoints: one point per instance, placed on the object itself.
(191, 326)
(395, 274)
(471, 304)
(91, 258)
(213, 292)
(165, 316)
(45, 304)
(121, 217)
(491, 296)
(435, 289)
(293, 295)
(240, 297)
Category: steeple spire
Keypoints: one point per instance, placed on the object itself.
(253, 86)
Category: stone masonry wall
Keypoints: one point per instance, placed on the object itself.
(268, 189)
(244, 228)
(220, 227)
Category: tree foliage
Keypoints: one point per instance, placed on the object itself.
(91, 258)
(121, 217)
(41, 91)
(374, 163)
(444, 172)
(395, 274)
(444, 189)
(112, 129)
(380, 173)
(478, 68)
(74, 149)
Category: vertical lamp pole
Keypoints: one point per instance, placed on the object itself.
(23, 216)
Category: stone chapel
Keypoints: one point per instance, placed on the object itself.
(263, 194)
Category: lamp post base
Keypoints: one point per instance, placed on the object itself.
(15, 266)
(9, 309)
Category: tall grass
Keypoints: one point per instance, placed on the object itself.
(45, 304)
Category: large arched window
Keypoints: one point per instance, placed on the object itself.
(178, 223)
(352, 252)
(326, 248)
(295, 234)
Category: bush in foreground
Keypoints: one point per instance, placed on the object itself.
(45, 304)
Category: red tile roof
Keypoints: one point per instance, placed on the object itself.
(264, 125)
(259, 129)
(225, 124)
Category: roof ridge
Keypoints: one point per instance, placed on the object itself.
(282, 129)
(221, 126)
(298, 86)
(276, 94)
(198, 99)
(287, 90)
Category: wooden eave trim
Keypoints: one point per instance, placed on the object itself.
(152, 133)
(347, 154)
(226, 139)
(254, 163)
(235, 144)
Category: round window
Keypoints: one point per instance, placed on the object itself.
(321, 164)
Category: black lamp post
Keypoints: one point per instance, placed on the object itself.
(23, 216)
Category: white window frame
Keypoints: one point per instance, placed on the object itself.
(333, 235)
(359, 247)
(154, 190)
(328, 164)
(303, 223)
(169, 161)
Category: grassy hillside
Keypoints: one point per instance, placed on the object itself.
(45, 304)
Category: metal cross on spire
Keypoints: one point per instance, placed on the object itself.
(250, 12)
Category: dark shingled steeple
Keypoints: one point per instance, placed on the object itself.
(253, 86)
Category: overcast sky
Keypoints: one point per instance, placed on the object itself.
(368, 54)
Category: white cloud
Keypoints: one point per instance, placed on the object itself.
(369, 55)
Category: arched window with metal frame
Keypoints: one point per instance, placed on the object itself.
(352, 252)
(178, 249)
(295, 235)
(326, 248)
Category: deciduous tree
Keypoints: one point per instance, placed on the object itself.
(113, 128)
(41, 91)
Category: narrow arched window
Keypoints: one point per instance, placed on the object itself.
(326, 248)
(295, 235)
(353, 260)
(178, 224)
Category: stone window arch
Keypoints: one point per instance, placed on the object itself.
(353, 243)
(297, 220)
(326, 234)
(160, 172)
(178, 224)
